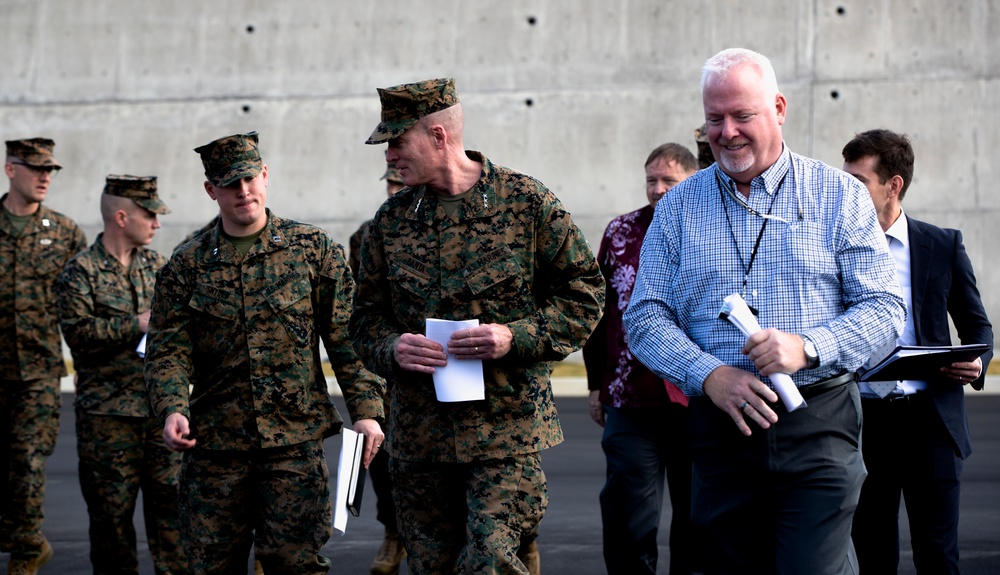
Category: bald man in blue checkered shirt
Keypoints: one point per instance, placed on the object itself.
(800, 241)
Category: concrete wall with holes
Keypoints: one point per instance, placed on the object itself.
(574, 92)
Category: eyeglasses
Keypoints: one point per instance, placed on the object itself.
(38, 170)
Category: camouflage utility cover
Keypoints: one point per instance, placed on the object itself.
(404, 105)
(139, 189)
(392, 174)
(511, 255)
(231, 158)
(245, 333)
(30, 346)
(98, 302)
(35, 152)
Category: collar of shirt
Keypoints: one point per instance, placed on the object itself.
(899, 231)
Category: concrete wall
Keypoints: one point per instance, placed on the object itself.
(574, 92)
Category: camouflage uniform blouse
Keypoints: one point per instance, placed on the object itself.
(30, 346)
(245, 332)
(511, 255)
(99, 301)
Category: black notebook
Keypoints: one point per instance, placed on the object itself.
(920, 362)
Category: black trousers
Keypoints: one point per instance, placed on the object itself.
(643, 447)
(783, 499)
(908, 452)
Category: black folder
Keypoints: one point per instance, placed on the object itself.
(920, 363)
(358, 473)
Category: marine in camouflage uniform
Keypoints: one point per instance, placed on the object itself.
(103, 297)
(391, 552)
(35, 243)
(238, 313)
(468, 240)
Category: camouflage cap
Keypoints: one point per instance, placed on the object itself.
(404, 105)
(705, 156)
(392, 174)
(36, 152)
(139, 189)
(231, 158)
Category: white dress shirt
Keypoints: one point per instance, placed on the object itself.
(899, 247)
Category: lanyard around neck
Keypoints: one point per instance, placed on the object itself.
(725, 187)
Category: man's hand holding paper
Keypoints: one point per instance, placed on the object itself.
(415, 352)
(774, 351)
(489, 341)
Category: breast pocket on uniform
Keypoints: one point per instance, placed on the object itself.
(214, 303)
(409, 278)
(112, 301)
(292, 304)
(497, 275)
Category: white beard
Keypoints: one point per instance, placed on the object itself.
(736, 164)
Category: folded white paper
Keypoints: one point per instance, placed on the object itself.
(461, 379)
(735, 309)
(141, 348)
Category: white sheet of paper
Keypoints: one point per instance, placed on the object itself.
(141, 348)
(349, 439)
(461, 379)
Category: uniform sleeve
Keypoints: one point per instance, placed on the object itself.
(363, 391)
(372, 327)
(569, 287)
(168, 367)
(84, 330)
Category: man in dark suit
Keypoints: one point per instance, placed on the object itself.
(915, 434)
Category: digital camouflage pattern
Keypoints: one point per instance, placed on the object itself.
(139, 189)
(98, 301)
(231, 158)
(512, 255)
(30, 346)
(31, 361)
(245, 332)
(208, 226)
(404, 105)
(392, 174)
(504, 500)
(119, 442)
(36, 152)
(286, 517)
(118, 457)
(354, 248)
(29, 412)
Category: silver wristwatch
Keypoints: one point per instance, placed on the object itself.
(811, 356)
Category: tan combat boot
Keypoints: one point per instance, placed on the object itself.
(528, 555)
(389, 556)
(29, 565)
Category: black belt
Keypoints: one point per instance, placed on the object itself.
(825, 385)
(898, 400)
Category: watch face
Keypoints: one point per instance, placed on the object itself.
(811, 355)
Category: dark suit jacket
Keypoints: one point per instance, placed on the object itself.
(944, 284)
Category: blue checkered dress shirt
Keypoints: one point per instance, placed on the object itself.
(822, 270)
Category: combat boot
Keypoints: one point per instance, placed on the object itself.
(389, 556)
(29, 565)
(528, 554)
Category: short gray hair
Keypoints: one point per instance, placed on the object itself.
(730, 58)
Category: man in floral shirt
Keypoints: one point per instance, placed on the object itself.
(642, 415)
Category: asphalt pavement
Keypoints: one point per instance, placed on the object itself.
(570, 535)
